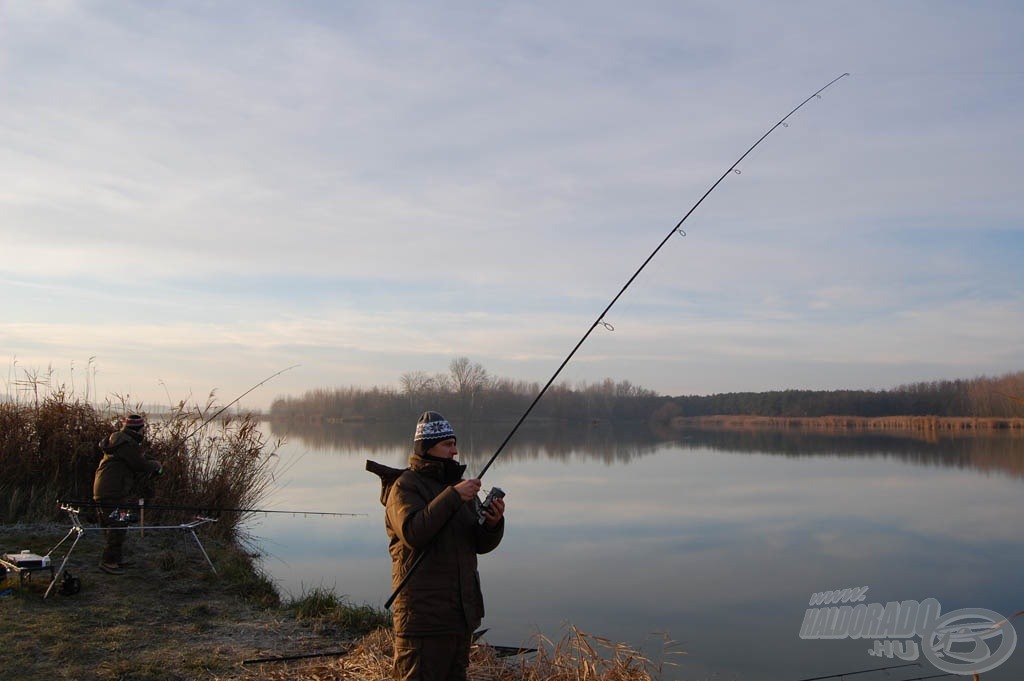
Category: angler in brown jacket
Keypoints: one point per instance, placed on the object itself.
(437, 612)
(122, 461)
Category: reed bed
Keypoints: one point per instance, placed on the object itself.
(218, 467)
(577, 656)
(920, 424)
(49, 451)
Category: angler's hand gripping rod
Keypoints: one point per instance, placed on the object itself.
(600, 318)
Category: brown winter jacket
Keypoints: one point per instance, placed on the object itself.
(443, 596)
(122, 461)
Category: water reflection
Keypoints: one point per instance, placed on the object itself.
(618, 443)
(997, 452)
(716, 537)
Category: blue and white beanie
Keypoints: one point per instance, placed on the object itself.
(431, 429)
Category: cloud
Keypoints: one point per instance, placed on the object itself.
(503, 171)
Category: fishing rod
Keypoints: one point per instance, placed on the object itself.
(499, 651)
(677, 229)
(202, 509)
(865, 671)
(298, 656)
(235, 401)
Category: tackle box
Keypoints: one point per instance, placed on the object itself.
(26, 560)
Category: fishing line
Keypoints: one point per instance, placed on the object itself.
(676, 229)
(229, 404)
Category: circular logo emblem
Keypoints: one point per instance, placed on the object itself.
(959, 641)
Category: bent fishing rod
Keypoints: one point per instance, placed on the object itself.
(235, 401)
(676, 229)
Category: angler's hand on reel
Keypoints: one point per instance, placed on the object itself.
(493, 508)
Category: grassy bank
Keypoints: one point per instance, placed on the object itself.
(170, 618)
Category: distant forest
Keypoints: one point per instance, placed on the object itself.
(469, 392)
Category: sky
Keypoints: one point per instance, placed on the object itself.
(195, 196)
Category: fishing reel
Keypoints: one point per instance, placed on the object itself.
(485, 505)
(124, 516)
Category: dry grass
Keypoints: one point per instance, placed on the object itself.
(577, 656)
(227, 464)
(47, 449)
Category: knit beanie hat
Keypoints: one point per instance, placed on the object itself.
(134, 422)
(431, 429)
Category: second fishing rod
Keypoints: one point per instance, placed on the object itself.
(600, 320)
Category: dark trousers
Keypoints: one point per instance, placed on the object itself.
(432, 658)
(114, 531)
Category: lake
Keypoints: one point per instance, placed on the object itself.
(717, 539)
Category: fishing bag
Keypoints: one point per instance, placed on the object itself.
(387, 476)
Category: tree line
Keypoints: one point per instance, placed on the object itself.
(469, 392)
(990, 397)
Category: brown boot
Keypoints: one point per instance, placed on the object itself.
(111, 568)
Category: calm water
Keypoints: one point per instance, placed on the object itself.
(717, 539)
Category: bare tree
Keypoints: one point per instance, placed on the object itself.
(415, 382)
(470, 379)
